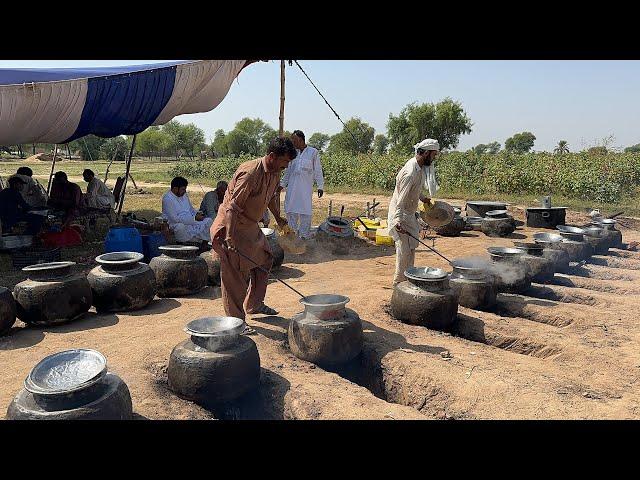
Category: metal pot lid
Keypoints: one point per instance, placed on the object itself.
(119, 258)
(268, 231)
(485, 203)
(570, 229)
(48, 267)
(215, 326)
(545, 237)
(425, 274)
(325, 300)
(66, 372)
(505, 251)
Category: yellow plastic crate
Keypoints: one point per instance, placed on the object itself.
(383, 238)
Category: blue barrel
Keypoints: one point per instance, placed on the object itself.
(150, 244)
(123, 239)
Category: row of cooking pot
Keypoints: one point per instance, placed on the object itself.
(53, 294)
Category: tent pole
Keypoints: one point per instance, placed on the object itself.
(126, 175)
(281, 131)
(53, 166)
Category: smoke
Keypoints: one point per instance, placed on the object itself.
(506, 272)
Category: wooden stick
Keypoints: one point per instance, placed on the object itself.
(53, 166)
(281, 131)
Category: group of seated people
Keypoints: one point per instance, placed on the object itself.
(24, 196)
(187, 223)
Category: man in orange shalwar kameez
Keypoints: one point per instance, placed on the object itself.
(251, 190)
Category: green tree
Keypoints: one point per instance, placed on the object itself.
(319, 140)
(633, 149)
(88, 146)
(480, 149)
(258, 132)
(219, 144)
(597, 150)
(239, 142)
(520, 142)
(345, 142)
(174, 130)
(114, 149)
(191, 139)
(444, 121)
(563, 147)
(380, 144)
(493, 148)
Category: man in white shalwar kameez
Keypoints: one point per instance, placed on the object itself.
(415, 182)
(298, 180)
(187, 224)
(98, 194)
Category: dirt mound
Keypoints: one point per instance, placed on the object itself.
(40, 157)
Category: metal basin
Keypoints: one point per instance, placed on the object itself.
(571, 233)
(66, 372)
(119, 261)
(497, 214)
(215, 333)
(325, 306)
(464, 268)
(179, 251)
(530, 248)
(500, 253)
(43, 271)
(427, 277)
(440, 214)
(547, 238)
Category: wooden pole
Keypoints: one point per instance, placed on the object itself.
(53, 166)
(281, 131)
(124, 185)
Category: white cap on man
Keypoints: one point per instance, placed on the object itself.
(427, 144)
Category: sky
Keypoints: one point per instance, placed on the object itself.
(581, 102)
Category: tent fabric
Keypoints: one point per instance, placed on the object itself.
(60, 105)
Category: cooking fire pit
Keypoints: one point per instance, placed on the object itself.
(217, 364)
(326, 333)
(425, 298)
(72, 385)
(179, 271)
(472, 284)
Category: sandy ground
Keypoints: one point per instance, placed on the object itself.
(566, 350)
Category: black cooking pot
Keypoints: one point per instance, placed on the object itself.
(545, 217)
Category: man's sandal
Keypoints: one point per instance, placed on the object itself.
(264, 310)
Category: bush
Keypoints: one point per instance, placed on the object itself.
(601, 178)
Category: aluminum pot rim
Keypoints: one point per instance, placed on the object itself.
(194, 327)
(131, 258)
(48, 267)
(342, 300)
(32, 385)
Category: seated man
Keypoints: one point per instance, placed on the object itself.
(65, 196)
(213, 199)
(14, 209)
(98, 195)
(33, 193)
(187, 224)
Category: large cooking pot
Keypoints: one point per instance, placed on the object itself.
(478, 208)
(571, 233)
(7, 310)
(545, 217)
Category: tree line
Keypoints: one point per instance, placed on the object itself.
(445, 121)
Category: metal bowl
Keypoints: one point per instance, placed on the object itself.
(325, 306)
(425, 274)
(530, 248)
(179, 251)
(268, 231)
(505, 252)
(215, 326)
(439, 215)
(570, 229)
(470, 269)
(66, 372)
(119, 261)
(497, 214)
(215, 333)
(545, 237)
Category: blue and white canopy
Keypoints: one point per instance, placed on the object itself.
(61, 104)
